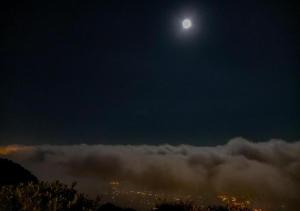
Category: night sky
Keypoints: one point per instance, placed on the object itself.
(124, 72)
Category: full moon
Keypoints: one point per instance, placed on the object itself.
(186, 23)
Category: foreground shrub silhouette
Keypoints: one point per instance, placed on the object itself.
(44, 196)
(13, 173)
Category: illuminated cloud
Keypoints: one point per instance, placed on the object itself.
(268, 173)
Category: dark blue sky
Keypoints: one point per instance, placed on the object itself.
(121, 72)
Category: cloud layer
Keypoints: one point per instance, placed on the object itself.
(268, 173)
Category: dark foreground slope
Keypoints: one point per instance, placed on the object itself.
(13, 173)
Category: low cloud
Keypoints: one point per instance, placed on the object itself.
(268, 173)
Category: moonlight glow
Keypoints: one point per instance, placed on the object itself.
(186, 23)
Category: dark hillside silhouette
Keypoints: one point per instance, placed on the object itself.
(13, 173)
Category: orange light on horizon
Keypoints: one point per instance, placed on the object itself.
(11, 149)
